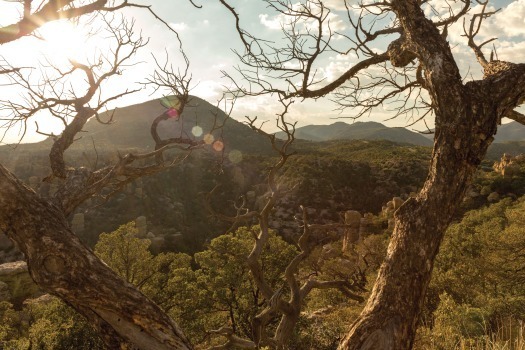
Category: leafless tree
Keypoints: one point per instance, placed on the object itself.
(296, 285)
(58, 261)
(418, 76)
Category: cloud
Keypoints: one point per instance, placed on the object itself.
(179, 27)
(511, 51)
(338, 5)
(333, 21)
(337, 66)
(273, 23)
(511, 19)
(440, 9)
(209, 90)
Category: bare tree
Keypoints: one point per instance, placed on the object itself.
(35, 14)
(295, 285)
(58, 262)
(417, 73)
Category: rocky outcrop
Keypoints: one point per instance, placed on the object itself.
(366, 223)
(388, 210)
(509, 166)
(16, 285)
(351, 235)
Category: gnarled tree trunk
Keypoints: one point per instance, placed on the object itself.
(466, 120)
(60, 264)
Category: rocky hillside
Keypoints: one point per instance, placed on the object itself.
(327, 177)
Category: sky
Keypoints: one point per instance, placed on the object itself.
(209, 38)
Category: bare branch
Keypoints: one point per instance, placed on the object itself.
(473, 30)
(516, 116)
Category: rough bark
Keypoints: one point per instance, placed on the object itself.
(63, 266)
(466, 120)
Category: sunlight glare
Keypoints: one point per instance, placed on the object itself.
(64, 41)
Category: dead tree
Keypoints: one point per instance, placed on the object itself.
(418, 75)
(37, 13)
(58, 261)
(286, 302)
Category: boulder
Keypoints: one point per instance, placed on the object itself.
(20, 284)
(493, 197)
(398, 201)
(353, 222)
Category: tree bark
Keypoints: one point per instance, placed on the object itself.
(466, 120)
(60, 264)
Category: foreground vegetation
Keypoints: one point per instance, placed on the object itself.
(475, 300)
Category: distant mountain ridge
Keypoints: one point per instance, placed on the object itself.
(512, 131)
(359, 131)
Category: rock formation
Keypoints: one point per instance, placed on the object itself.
(509, 166)
(20, 285)
(351, 235)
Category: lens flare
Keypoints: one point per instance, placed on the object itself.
(218, 146)
(170, 102)
(173, 113)
(208, 139)
(196, 131)
(235, 156)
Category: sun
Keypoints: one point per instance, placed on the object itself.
(63, 41)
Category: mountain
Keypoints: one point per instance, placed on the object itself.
(512, 131)
(130, 130)
(359, 131)
(328, 177)
(131, 127)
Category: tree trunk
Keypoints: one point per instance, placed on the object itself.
(389, 320)
(467, 116)
(60, 264)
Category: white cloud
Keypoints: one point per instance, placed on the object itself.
(440, 9)
(511, 20)
(338, 5)
(336, 23)
(179, 27)
(511, 51)
(507, 25)
(209, 90)
(337, 66)
(333, 21)
(273, 23)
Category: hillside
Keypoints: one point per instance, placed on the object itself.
(131, 127)
(359, 131)
(328, 177)
(130, 130)
(512, 131)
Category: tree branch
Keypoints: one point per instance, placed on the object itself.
(120, 312)
(516, 116)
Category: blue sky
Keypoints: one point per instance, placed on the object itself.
(209, 36)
